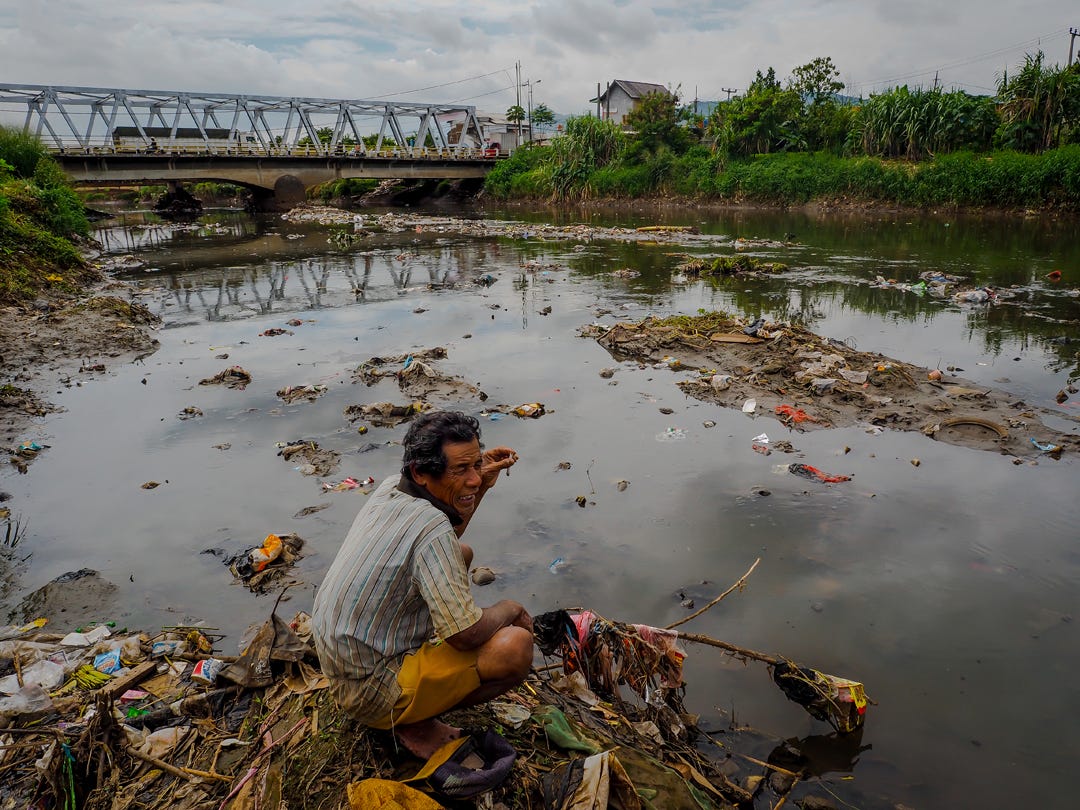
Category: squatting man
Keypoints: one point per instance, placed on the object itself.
(397, 631)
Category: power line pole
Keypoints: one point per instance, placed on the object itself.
(1073, 34)
(729, 91)
(935, 79)
(517, 87)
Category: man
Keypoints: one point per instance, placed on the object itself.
(401, 578)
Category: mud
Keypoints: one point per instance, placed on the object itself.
(67, 600)
(825, 383)
(62, 342)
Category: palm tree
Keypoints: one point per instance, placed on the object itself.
(516, 114)
(541, 116)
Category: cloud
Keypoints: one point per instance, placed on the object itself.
(361, 49)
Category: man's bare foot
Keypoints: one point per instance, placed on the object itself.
(426, 737)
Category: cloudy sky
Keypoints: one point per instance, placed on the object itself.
(453, 51)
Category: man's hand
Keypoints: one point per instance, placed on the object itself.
(495, 460)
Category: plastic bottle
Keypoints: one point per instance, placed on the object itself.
(270, 551)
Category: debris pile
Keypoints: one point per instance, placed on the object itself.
(809, 381)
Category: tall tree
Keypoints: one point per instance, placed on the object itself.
(542, 116)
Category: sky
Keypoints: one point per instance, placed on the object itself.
(465, 52)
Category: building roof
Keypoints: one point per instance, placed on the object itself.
(633, 89)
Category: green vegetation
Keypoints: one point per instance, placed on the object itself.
(39, 216)
(797, 140)
(345, 187)
(216, 191)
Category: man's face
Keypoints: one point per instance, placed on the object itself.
(460, 482)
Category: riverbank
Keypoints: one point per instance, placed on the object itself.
(999, 181)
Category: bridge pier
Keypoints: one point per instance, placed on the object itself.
(177, 202)
(288, 192)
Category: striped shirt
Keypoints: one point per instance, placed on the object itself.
(398, 579)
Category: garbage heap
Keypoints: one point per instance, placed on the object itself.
(105, 718)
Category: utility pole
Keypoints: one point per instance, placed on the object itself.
(729, 91)
(517, 87)
(935, 79)
(1073, 34)
(598, 100)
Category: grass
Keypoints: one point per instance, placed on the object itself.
(40, 215)
(1005, 179)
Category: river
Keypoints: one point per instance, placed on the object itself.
(949, 588)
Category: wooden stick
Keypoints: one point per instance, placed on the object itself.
(731, 648)
(162, 764)
(738, 584)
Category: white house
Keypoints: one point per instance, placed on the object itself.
(621, 96)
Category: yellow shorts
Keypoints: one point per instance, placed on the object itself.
(434, 679)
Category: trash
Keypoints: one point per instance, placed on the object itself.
(206, 671)
(243, 565)
(709, 423)
(166, 648)
(232, 377)
(86, 639)
(915, 462)
(108, 662)
(794, 415)
(1054, 275)
(672, 434)
(513, 715)
(838, 701)
(581, 500)
(1061, 397)
(749, 406)
(754, 328)
(814, 474)
(622, 485)
(320, 462)
(44, 673)
(761, 444)
(190, 412)
(274, 332)
(291, 393)
(31, 699)
(1047, 447)
(269, 551)
(934, 375)
(29, 448)
(823, 385)
(150, 485)
(531, 410)
(720, 382)
(607, 373)
(556, 564)
(483, 576)
(347, 484)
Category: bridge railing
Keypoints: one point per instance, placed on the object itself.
(201, 149)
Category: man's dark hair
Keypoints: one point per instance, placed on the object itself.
(428, 433)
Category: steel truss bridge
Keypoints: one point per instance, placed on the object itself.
(270, 144)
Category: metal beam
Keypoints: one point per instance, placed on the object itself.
(72, 114)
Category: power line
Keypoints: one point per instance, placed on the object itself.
(489, 93)
(966, 60)
(444, 84)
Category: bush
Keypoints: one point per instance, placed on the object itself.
(21, 151)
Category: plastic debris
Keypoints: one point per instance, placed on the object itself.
(556, 564)
(1048, 447)
(347, 484)
(672, 434)
(814, 474)
(794, 415)
(530, 410)
(749, 406)
(761, 444)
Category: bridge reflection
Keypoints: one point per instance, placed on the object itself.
(237, 293)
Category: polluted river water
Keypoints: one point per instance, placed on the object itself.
(949, 587)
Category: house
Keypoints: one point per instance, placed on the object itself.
(621, 96)
(497, 129)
